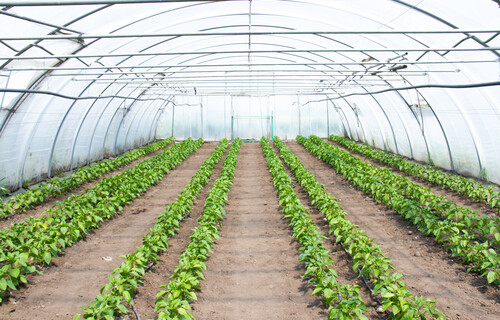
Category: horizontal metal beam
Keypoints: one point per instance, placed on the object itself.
(88, 2)
(245, 65)
(243, 73)
(184, 53)
(246, 82)
(339, 76)
(253, 33)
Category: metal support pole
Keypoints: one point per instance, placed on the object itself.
(327, 120)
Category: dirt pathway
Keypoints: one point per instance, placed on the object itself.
(82, 271)
(455, 197)
(254, 272)
(168, 261)
(342, 261)
(427, 268)
(40, 209)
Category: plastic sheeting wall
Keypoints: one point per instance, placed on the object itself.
(218, 117)
(48, 134)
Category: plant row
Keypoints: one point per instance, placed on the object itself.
(451, 234)
(125, 279)
(367, 257)
(38, 240)
(483, 227)
(174, 301)
(54, 187)
(465, 186)
(343, 300)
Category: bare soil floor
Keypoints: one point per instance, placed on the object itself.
(342, 261)
(76, 277)
(254, 272)
(39, 210)
(167, 261)
(427, 268)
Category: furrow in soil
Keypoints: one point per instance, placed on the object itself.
(254, 272)
(76, 277)
(40, 209)
(427, 268)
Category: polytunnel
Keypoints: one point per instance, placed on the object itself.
(81, 80)
(250, 159)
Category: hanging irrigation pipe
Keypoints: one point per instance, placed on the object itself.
(60, 95)
(423, 86)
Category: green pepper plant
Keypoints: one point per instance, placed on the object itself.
(41, 239)
(452, 235)
(56, 186)
(174, 301)
(367, 257)
(117, 294)
(342, 300)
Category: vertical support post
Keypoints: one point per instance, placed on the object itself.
(201, 113)
(225, 120)
(272, 127)
(327, 120)
(173, 117)
(232, 128)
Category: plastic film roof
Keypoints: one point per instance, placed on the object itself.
(82, 80)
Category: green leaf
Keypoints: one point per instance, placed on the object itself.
(3, 284)
(15, 272)
(77, 316)
(492, 276)
(127, 296)
(47, 257)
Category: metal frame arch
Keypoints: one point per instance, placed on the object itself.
(107, 129)
(449, 24)
(29, 140)
(77, 132)
(98, 119)
(45, 74)
(152, 108)
(123, 118)
(337, 108)
(132, 122)
(154, 124)
(54, 141)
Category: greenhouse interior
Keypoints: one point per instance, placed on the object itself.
(304, 159)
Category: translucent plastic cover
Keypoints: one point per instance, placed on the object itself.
(87, 80)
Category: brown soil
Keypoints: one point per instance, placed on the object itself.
(40, 209)
(254, 272)
(167, 261)
(427, 268)
(77, 276)
(343, 263)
